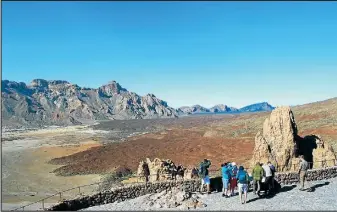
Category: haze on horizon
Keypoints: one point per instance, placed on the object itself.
(186, 53)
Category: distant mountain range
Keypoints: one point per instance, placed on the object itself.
(58, 102)
(221, 108)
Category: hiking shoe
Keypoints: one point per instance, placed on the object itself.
(223, 195)
(301, 189)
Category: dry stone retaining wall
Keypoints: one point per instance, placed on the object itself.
(133, 191)
(313, 175)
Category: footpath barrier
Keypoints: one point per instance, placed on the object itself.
(138, 188)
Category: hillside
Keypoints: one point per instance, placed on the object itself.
(263, 106)
(59, 102)
(230, 138)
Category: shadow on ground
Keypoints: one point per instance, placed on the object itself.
(313, 188)
(286, 189)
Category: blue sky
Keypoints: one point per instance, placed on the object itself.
(186, 53)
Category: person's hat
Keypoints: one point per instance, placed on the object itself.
(233, 164)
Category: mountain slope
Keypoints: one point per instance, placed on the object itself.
(263, 106)
(194, 109)
(60, 102)
(222, 108)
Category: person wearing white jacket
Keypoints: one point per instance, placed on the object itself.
(268, 175)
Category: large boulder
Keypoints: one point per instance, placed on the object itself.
(280, 144)
(160, 170)
(323, 154)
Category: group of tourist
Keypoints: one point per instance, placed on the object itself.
(234, 177)
(262, 178)
(237, 178)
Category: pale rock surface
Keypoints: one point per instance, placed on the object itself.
(57, 102)
(160, 170)
(276, 143)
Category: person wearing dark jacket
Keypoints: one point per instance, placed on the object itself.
(204, 175)
(146, 171)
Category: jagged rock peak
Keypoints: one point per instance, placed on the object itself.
(151, 95)
(39, 83)
(46, 83)
(112, 88)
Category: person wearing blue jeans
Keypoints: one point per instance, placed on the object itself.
(226, 176)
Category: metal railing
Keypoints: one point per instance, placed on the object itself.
(141, 179)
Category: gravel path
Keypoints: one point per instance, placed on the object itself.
(290, 198)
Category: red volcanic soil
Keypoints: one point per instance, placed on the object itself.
(326, 131)
(182, 146)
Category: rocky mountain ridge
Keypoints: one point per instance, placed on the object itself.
(221, 108)
(58, 102)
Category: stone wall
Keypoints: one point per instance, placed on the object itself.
(133, 191)
(124, 193)
(288, 178)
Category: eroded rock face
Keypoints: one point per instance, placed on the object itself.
(323, 153)
(160, 170)
(276, 142)
(58, 102)
(280, 144)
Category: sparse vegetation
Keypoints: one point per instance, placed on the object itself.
(114, 179)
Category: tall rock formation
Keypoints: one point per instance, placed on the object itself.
(280, 144)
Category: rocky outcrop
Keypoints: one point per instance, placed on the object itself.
(279, 143)
(324, 152)
(160, 170)
(58, 102)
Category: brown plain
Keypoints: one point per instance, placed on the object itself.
(229, 139)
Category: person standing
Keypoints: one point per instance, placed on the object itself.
(257, 174)
(268, 175)
(146, 171)
(203, 171)
(273, 170)
(233, 181)
(226, 176)
(243, 180)
(304, 166)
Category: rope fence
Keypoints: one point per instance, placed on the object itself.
(140, 179)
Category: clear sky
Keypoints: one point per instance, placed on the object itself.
(186, 53)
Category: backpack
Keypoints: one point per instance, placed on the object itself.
(227, 172)
(201, 169)
(234, 170)
(242, 178)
